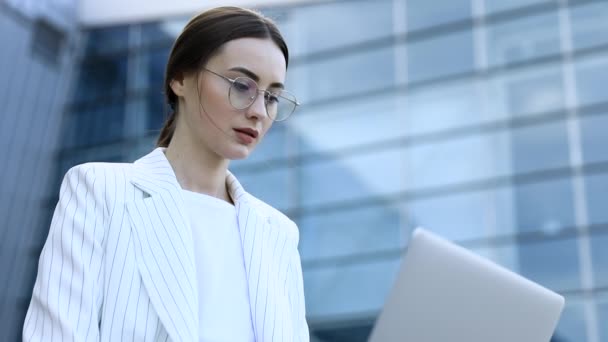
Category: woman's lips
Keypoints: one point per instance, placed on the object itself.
(244, 136)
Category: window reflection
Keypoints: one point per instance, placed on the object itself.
(594, 138)
(350, 232)
(350, 178)
(424, 14)
(597, 187)
(591, 78)
(599, 255)
(493, 6)
(101, 78)
(523, 39)
(330, 290)
(365, 21)
(107, 40)
(439, 57)
(355, 73)
(571, 326)
(589, 25)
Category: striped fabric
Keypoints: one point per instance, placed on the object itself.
(118, 263)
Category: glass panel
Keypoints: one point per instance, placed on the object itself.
(330, 291)
(503, 211)
(350, 178)
(271, 186)
(480, 157)
(599, 255)
(546, 206)
(107, 40)
(602, 311)
(349, 232)
(597, 188)
(553, 264)
(539, 147)
(594, 138)
(529, 91)
(571, 326)
(589, 25)
(355, 73)
(522, 39)
(357, 22)
(348, 124)
(163, 32)
(96, 124)
(461, 105)
(157, 111)
(591, 79)
(424, 14)
(157, 61)
(493, 6)
(103, 77)
(427, 60)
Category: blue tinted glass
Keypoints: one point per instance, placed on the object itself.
(553, 264)
(101, 78)
(503, 211)
(599, 253)
(157, 62)
(157, 111)
(602, 311)
(547, 206)
(597, 190)
(96, 124)
(346, 289)
(539, 147)
(350, 178)
(493, 6)
(107, 40)
(163, 32)
(271, 186)
(591, 79)
(350, 232)
(423, 14)
(571, 325)
(331, 31)
(527, 91)
(594, 138)
(355, 73)
(479, 157)
(440, 57)
(316, 127)
(523, 39)
(589, 24)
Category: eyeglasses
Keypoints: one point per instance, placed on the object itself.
(244, 91)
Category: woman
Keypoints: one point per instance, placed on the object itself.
(171, 247)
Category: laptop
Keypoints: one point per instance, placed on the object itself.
(444, 292)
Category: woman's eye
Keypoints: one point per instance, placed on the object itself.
(272, 98)
(242, 87)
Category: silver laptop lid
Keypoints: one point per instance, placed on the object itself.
(444, 292)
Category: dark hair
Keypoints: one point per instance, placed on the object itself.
(201, 39)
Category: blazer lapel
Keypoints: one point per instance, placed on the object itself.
(266, 245)
(164, 248)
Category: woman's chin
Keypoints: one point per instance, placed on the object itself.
(237, 153)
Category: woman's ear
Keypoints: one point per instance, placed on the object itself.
(177, 84)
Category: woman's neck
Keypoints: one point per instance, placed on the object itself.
(198, 169)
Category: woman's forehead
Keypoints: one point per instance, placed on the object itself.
(261, 56)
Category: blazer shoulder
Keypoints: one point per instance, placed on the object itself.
(274, 214)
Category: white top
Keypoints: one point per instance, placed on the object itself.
(224, 310)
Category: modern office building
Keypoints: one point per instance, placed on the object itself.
(482, 120)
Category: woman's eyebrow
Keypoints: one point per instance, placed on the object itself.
(255, 77)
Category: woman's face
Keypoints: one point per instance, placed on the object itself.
(211, 122)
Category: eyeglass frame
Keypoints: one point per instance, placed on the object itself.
(265, 91)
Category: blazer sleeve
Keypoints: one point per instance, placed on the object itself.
(296, 298)
(65, 303)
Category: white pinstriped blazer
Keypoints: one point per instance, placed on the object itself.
(118, 263)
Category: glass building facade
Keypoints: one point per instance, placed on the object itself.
(482, 120)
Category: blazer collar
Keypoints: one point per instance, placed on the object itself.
(165, 253)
